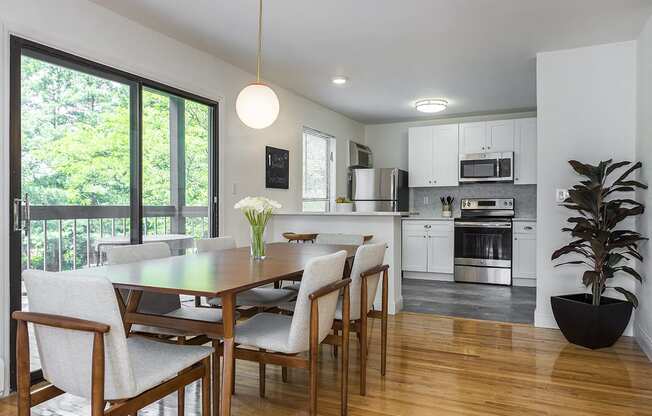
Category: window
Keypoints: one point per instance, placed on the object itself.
(318, 172)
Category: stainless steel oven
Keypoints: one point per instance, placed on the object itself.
(483, 241)
(487, 167)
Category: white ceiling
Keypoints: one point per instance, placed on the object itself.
(478, 54)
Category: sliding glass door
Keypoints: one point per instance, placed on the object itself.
(101, 158)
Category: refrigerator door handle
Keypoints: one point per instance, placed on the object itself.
(394, 186)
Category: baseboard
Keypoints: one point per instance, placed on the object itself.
(644, 340)
(524, 282)
(393, 308)
(439, 277)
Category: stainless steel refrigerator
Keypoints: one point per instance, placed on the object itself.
(375, 190)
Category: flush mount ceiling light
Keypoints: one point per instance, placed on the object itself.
(257, 104)
(431, 105)
(339, 80)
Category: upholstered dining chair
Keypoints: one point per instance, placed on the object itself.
(262, 297)
(84, 350)
(345, 239)
(365, 276)
(163, 304)
(279, 338)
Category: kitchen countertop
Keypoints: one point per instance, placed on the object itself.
(440, 218)
(347, 214)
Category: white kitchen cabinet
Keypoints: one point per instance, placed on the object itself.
(525, 152)
(415, 246)
(440, 248)
(428, 246)
(500, 136)
(487, 137)
(473, 137)
(433, 155)
(524, 253)
(420, 150)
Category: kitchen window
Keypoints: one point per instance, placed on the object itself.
(318, 170)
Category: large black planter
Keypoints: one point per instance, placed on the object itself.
(591, 326)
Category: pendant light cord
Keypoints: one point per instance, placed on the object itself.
(260, 38)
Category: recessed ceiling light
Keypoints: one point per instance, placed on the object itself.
(431, 105)
(339, 80)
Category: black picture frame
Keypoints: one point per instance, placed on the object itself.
(277, 168)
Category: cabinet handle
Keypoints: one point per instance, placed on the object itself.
(528, 227)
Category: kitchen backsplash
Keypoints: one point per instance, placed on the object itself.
(426, 201)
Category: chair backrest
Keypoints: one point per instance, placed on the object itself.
(366, 257)
(156, 303)
(319, 272)
(65, 354)
(346, 239)
(205, 245)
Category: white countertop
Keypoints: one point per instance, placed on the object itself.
(524, 219)
(347, 214)
(428, 218)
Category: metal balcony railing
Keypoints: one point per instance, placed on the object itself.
(64, 237)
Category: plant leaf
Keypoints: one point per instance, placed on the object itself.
(631, 298)
(632, 272)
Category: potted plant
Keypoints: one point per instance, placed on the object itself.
(592, 319)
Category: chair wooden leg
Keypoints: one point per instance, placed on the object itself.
(206, 388)
(314, 351)
(284, 374)
(216, 377)
(181, 393)
(336, 332)
(362, 337)
(22, 370)
(261, 377)
(233, 377)
(97, 376)
(383, 328)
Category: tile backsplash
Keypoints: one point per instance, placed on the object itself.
(426, 201)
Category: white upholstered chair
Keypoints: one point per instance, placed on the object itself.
(365, 276)
(264, 297)
(84, 351)
(344, 239)
(282, 335)
(161, 303)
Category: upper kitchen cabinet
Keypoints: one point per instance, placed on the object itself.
(433, 155)
(473, 137)
(487, 137)
(525, 152)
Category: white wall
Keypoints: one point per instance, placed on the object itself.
(389, 142)
(85, 29)
(586, 102)
(643, 325)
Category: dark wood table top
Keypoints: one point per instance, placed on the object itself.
(212, 274)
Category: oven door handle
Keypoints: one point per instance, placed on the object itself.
(470, 224)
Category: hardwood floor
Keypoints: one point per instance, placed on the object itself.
(444, 366)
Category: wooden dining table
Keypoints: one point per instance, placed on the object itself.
(220, 274)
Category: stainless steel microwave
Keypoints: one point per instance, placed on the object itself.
(359, 156)
(487, 167)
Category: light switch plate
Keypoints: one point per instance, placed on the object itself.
(561, 195)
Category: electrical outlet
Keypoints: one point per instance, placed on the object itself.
(561, 195)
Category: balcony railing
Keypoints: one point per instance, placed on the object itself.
(64, 237)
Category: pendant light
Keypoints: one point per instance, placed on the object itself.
(257, 104)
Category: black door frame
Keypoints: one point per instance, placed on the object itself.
(19, 47)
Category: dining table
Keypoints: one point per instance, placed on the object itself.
(221, 274)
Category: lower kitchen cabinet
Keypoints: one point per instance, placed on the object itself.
(428, 246)
(524, 270)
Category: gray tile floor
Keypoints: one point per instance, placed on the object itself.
(470, 300)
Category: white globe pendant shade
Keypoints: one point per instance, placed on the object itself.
(257, 106)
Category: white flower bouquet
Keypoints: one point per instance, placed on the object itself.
(258, 210)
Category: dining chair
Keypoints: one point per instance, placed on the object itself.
(84, 351)
(163, 304)
(365, 276)
(262, 297)
(344, 239)
(279, 338)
